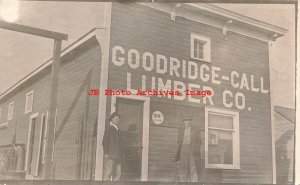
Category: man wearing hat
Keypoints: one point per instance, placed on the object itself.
(112, 149)
(188, 151)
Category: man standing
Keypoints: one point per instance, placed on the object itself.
(112, 149)
(188, 151)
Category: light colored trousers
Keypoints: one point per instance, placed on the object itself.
(188, 170)
(112, 170)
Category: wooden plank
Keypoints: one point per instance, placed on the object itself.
(36, 148)
(33, 31)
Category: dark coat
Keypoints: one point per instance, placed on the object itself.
(195, 142)
(111, 143)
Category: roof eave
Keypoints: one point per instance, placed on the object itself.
(218, 11)
(75, 44)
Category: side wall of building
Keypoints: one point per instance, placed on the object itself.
(284, 149)
(76, 112)
(147, 30)
(18, 127)
(40, 86)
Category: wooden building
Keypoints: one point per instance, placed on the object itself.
(153, 47)
(285, 145)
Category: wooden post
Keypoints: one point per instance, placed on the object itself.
(53, 104)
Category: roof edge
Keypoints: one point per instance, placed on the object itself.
(69, 48)
(239, 17)
(284, 117)
(220, 18)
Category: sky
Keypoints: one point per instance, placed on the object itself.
(283, 49)
(20, 54)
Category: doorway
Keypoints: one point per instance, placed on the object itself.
(134, 130)
(33, 147)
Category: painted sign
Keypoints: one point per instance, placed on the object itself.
(177, 72)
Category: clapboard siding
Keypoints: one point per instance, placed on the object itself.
(40, 104)
(285, 152)
(147, 30)
(75, 66)
(75, 107)
(161, 153)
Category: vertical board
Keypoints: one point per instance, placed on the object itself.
(36, 148)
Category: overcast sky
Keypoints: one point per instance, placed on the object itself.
(283, 65)
(20, 54)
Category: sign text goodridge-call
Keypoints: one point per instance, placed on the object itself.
(158, 72)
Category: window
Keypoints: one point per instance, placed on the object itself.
(29, 102)
(200, 48)
(222, 145)
(10, 111)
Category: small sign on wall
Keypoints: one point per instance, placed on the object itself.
(157, 117)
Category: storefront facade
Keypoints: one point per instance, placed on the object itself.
(155, 47)
(186, 47)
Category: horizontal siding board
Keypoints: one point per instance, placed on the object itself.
(88, 65)
(79, 62)
(285, 134)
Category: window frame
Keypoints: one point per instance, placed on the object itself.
(206, 47)
(26, 102)
(235, 137)
(10, 117)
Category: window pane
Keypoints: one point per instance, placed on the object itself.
(10, 111)
(30, 101)
(196, 53)
(220, 149)
(219, 121)
(200, 54)
(198, 48)
(27, 103)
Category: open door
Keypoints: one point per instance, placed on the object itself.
(134, 128)
(131, 127)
